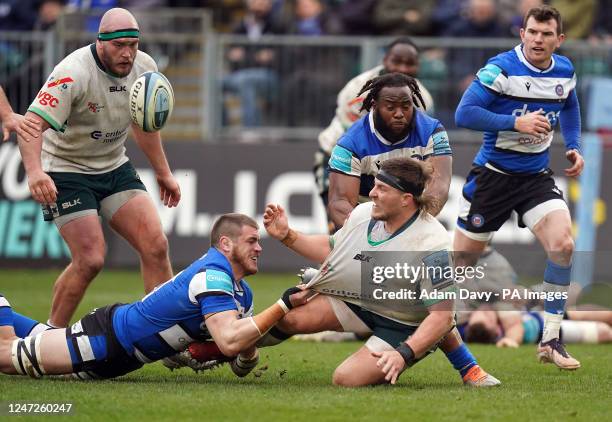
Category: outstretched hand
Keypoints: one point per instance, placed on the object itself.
(275, 221)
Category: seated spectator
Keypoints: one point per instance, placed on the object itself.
(253, 76)
(313, 72)
(17, 15)
(516, 21)
(481, 20)
(312, 18)
(356, 16)
(48, 12)
(404, 17)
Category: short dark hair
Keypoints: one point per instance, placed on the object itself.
(390, 80)
(230, 225)
(411, 171)
(478, 333)
(401, 40)
(544, 13)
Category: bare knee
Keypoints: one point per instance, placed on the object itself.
(88, 264)
(345, 377)
(155, 248)
(562, 249)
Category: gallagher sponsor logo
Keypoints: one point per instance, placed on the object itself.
(62, 82)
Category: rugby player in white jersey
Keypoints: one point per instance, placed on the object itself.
(395, 220)
(78, 169)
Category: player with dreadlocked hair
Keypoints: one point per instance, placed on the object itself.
(374, 85)
(394, 127)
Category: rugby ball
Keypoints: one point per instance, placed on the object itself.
(207, 351)
(151, 101)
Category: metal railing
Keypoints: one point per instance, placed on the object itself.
(293, 95)
(278, 87)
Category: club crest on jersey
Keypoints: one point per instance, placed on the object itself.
(94, 107)
(477, 220)
(559, 90)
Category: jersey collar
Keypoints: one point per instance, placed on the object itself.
(99, 63)
(519, 52)
(404, 226)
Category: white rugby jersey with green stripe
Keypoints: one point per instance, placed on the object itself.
(423, 240)
(87, 108)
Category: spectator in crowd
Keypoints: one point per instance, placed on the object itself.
(312, 18)
(18, 15)
(253, 76)
(48, 12)
(445, 13)
(480, 20)
(356, 16)
(92, 22)
(602, 28)
(312, 69)
(578, 17)
(521, 9)
(404, 17)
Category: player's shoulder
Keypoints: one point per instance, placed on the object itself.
(434, 230)
(79, 62)
(361, 213)
(359, 81)
(144, 63)
(354, 137)
(563, 65)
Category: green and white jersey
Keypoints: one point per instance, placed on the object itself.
(422, 240)
(348, 108)
(88, 110)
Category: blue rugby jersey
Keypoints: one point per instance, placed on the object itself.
(168, 319)
(509, 87)
(362, 149)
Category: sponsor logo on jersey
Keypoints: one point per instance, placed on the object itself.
(121, 88)
(94, 107)
(527, 85)
(559, 90)
(46, 99)
(107, 137)
(362, 257)
(61, 82)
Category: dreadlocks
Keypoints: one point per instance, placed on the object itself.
(390, 80)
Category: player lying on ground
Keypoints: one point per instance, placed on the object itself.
(511, 328)
(207, 300)
(395, 220)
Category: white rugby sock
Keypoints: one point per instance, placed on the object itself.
(552, 323)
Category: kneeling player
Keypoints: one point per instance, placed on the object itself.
(114, 340)
(395, 220)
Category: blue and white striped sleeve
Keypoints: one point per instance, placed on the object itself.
(213, 290)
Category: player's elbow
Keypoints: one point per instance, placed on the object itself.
(462, 116)
(229, 345)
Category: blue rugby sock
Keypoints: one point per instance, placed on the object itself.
(462, 359)
(25, 326)
(6, 312)
(556, 280)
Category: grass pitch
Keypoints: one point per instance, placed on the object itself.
(297, 382)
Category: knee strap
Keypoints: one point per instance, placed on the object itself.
(25, 355)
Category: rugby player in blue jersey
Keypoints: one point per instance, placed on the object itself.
(207, 300)
(394, 127)
(516, 100)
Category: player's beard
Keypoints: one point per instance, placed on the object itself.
(387, 133)
(244, 260)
